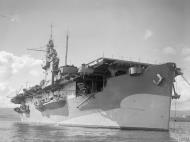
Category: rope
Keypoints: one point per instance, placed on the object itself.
(175, 115)
(185, 80)
(174, 127)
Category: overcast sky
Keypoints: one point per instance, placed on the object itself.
(154, 31)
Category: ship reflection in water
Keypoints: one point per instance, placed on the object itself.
(22, 132)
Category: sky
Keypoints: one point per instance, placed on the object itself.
(153, 31)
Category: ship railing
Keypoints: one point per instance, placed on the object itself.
(95, 61)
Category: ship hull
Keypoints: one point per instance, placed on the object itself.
(139, 111)
(127, 102)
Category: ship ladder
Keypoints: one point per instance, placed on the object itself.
(92, 95)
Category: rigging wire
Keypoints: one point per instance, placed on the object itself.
(185, 80)
(175, 107)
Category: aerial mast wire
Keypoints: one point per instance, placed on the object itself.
(36, 49)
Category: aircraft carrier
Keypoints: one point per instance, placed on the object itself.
(107, 93)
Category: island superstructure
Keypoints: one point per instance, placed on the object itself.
(106, 92)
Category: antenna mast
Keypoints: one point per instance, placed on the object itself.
(67, 39)
(51, 35)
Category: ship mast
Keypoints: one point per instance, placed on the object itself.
(51, 35)
(67, 39)
(52, 75)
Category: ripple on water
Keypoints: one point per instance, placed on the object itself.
(23, 132)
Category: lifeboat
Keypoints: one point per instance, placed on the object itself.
(52, 103)
(22, 109)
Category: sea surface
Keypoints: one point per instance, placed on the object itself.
(12, 130)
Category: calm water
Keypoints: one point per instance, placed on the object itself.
(11, 130)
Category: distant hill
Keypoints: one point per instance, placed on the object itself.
(180, 115)
(8, 114)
